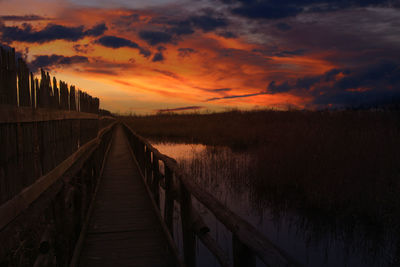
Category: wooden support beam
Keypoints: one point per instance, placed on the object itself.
(243, 256)
(189, 239)
(155, 188)
(169, 201)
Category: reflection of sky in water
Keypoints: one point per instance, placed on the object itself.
(211, 167)
(179, 151)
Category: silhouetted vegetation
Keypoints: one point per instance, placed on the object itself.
(342, 165)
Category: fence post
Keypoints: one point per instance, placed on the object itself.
(242, 255)
(189, 238)
(156, 180)
(149, 177)
(169, 200)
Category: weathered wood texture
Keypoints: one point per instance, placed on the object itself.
(45, 232)
(40, 123)
(124, 229)
(18, 87)
(248, 242)
(32, 149)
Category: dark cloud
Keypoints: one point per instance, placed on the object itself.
(181, 28)
(102, 71)
(46, 62)
(235, 96)
(50, 33)
(283, 26)
(155, 37)
(273, 87)
(23, 18)
(186, 52)
(375, 84)
(288, 53)
(208, 22)
(264, 10)
(277, 9)
(227, 34)
(126, 21)
(179, 109)
(97, 30)
(84, 48)
(169, 74)
(215, 90)
(219, 90)
(117, 42)
(159, 55)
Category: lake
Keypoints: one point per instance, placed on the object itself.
(311, 240)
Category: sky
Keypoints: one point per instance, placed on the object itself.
(147, 56)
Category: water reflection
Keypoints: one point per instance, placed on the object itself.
(312, 241)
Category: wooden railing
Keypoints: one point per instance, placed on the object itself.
(247, 242)
(41, 123)
(48, 131)
(52, 211)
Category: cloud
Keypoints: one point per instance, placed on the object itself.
(283, 26)
(117, 42)
(290, 53)
(214, 90)
(277, 9)
(46, 62)
(179, 109)
(169, 74)
(186, 52)
(155, 37)
(50, 33)
(186, 26)
(227, 34)
(84, 48)
(23, 18)
(97, 30)
(181, 28)
(208, 22)
(376, 83)
(264, 10)
(158, 57)
(235, 96)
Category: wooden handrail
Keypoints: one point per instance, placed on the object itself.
(13, 207)
(13, 114)
(246, 238)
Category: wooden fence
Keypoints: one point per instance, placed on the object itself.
(247, 242)
(41, 124)
(18, 87)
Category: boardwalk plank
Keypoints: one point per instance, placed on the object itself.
(124, 229)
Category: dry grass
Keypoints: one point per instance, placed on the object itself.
(344, 165)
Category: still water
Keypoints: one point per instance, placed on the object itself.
(226, 175)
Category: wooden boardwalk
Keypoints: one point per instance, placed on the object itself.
(124, 228)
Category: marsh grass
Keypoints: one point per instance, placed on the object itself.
(343, 166)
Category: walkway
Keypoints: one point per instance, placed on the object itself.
(124, 229)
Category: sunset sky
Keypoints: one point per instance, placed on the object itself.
(149, 55)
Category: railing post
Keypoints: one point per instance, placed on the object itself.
(156, 180)
(149, 176)
(169, 200)
(189, 238)
(242, 255)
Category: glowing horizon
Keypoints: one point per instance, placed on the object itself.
(141, 58)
